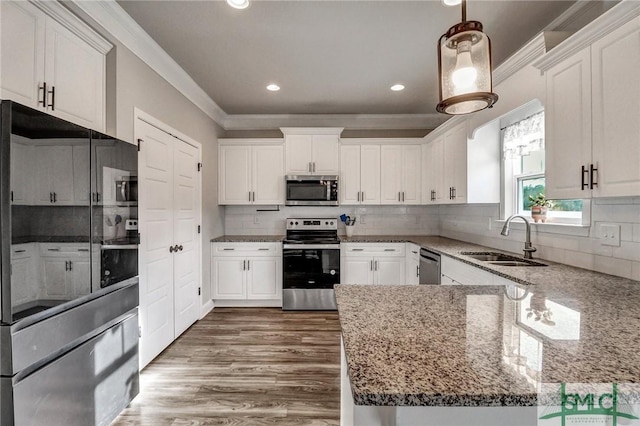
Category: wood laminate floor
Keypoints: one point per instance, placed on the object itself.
(245, 366)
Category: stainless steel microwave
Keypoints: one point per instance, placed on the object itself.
(312, 190)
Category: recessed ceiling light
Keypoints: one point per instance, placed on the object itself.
(449, 2)
(273, 87)
(238, 4)
(397, 87)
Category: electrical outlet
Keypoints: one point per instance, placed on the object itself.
(609, 234)
(363, 219)
(256, 220)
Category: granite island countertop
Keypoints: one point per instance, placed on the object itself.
(248, 239)
(477, 345)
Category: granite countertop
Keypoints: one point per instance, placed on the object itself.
(476, 346)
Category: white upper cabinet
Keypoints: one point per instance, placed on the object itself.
(250, 172)
(55, 65)
(312, 151)
(433, 187)
(615, 61)
(592, 110)
(568, 126)
(401, 174)
(455, 164)
(22, 178)
(360, 174)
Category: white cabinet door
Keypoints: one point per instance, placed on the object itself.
(298, 154)
(264, 278)
(325, 155)
(22, 176)
(391, 174)
(228, 276)
(268, 174)
(80, 276)
(455, 164)
(435, 192)
(616, 111)
(389, 270)
(568, 126)
(81, 184)
(350, 185)
(412, 270)
(75, 72)
(55, 277)
(370, 174)
(54, 175)
(22, 47)
(412, 174)
(357, 270)
(23, 288)
(234, 185)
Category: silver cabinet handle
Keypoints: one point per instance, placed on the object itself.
(357, 249)
(244, 265)
(248, 265)
(249, 196)
(358, 197)
(309, 166)
(19, 251)
(51, 197)
(66, 265)
(228, 249)
(363, 196)
(70, 265)
(314, 167)
(53, 98)
(371, 265)
(403, 196)
(55, 197)
(53, 249)
(399, 197)
(376, 264)
(390, 250)
(263, 249)
(418, 271)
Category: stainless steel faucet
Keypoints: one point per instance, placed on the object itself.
(528, 248)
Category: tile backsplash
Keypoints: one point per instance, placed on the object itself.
(580, 247)
(370, 220)
(476, 223)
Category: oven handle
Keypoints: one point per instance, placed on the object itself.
(311, 246)
(119, 247)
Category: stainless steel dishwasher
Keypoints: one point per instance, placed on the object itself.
(429, 267)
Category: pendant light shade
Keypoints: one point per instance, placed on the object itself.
(464, 67)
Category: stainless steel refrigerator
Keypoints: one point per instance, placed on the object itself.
(69, 290)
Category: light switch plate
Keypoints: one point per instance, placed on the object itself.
(609, 235)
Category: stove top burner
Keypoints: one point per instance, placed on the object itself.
(312, 231)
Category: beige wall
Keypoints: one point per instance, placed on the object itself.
(138, 86)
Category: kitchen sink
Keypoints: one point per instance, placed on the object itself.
(500, 259)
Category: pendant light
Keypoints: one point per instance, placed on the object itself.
(464, 68)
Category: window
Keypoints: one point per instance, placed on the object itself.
(524, 168)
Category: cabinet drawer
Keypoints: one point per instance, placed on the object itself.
(368, 249)
(21, 251)
(246, 249)
(465, 274)
(64, 249)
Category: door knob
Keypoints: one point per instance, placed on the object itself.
(179, 248)
(172, 249)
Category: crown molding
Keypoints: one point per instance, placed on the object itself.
(74, 24)
(115, 20)
(524, 56)
(348, 121)
(618, 15)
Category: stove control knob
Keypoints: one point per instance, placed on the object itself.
(296, 223)
(291, 223)
(331, 223)
(326, 223)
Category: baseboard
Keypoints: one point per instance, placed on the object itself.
(206, 308)
(276, 303)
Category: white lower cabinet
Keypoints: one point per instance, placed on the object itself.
(413, 264)
(246, 274)
(455, 272)
(24, 287)
(372, 263)
(66, 270)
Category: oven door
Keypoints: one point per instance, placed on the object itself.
(118, 262)
(310, 272)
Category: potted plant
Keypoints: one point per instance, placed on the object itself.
(539, 207)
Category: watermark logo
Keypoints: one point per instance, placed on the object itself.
(589, 405)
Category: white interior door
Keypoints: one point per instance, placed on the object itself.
(185, 234)
(155, 185)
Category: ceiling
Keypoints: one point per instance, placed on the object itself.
(329, 57)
